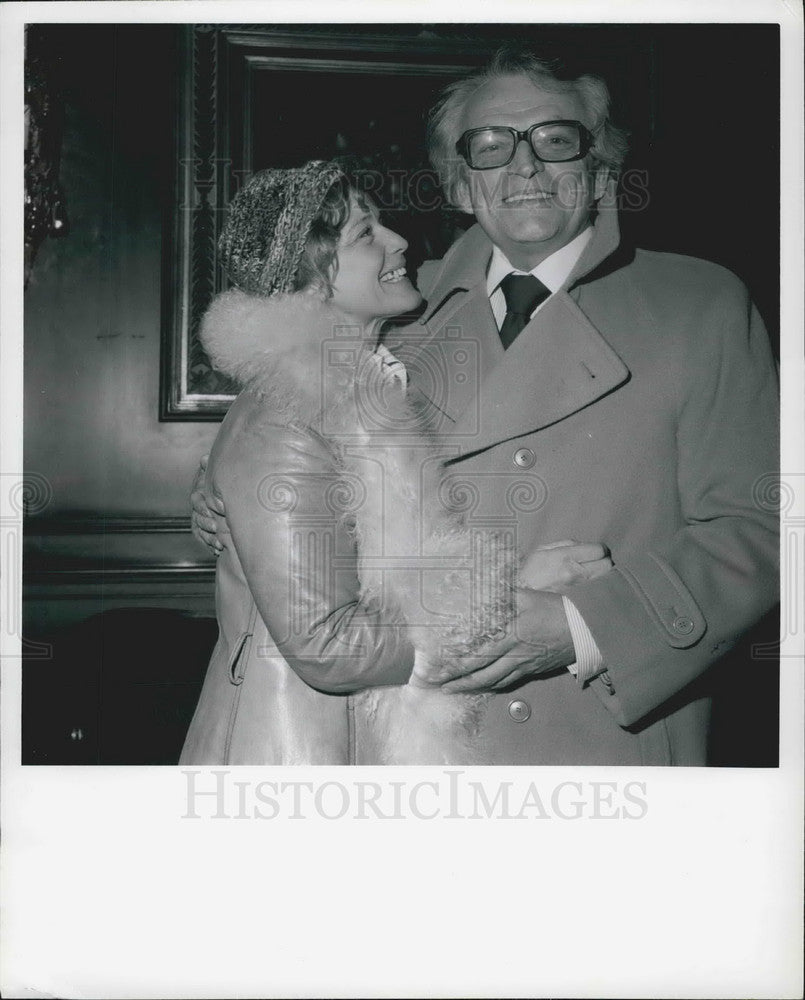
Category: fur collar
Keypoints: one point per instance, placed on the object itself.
(280, 346)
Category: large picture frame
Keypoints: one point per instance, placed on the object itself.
(254, 96)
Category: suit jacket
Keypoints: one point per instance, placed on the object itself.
(638, 408)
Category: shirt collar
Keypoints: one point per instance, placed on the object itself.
(552, 272)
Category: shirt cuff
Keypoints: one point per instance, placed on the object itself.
(589, 661)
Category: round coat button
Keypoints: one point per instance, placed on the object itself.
(683, 625)
(519, 710)
(524, 458)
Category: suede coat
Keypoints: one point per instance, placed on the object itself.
(639, 409)
(341, 556)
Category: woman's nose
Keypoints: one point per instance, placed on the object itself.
(394, 242)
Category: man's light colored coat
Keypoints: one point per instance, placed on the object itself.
(639, 409)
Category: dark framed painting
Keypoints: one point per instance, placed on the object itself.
(256, 96)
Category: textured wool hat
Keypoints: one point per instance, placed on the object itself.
(264, 236)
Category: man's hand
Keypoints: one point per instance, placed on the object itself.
(204, 507)
(560, 564)
(536, 642)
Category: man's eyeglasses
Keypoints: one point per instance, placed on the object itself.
(557, 141)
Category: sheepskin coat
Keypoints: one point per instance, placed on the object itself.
(343, 562)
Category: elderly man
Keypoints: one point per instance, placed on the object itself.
(592, 393)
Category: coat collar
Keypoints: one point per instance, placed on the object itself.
(558, 365)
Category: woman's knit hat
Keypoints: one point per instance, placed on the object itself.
(264, 236)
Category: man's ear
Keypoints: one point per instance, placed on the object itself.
(461, 195)
(601, 179)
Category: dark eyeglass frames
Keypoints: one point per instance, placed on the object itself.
(558, 141)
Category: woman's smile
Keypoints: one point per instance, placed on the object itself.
(396, 274)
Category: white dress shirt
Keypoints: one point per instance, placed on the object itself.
(552, 272)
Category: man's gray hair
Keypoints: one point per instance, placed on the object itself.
(444, 122)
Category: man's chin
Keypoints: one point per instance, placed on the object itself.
(528, 236)
(524, 223)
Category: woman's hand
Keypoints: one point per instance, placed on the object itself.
(202, 520)
(560, 564)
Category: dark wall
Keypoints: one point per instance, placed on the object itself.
(115, 532)
(712, 155)
(92, 309)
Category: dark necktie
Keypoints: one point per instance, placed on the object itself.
(523, 293)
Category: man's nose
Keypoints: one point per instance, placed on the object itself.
(524, 162)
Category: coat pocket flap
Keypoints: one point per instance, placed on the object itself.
(667, 600)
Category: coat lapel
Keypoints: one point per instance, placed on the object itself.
(559, 364)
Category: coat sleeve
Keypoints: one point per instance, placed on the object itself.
(664, 616)
(287, 510)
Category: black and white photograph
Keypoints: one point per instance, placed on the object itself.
(638, 420)
(397, 436)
